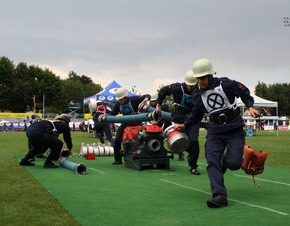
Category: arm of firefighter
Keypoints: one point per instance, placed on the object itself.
(158, 109)
(145, 100)
(254, 113)
(179, 126)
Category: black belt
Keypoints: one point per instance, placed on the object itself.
(224, 118)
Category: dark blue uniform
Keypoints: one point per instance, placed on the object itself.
(128, 109)
(181, 108)
(224, 127)
(103, 127)
(41, 135)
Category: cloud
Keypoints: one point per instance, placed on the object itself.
(150, 43)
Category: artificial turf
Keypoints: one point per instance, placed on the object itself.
(116, 195)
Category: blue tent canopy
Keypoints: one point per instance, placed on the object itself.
(108, 94)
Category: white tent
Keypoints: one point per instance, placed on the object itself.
(259, 103)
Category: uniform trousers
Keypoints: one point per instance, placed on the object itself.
(223, 150)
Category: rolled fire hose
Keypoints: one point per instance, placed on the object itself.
(97, 149)
(79, 168)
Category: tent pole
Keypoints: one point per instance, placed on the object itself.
(277, 119)
(83, 111)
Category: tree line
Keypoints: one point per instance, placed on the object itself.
(279, 92)
(21, 84)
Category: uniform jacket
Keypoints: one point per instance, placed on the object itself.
(232, 90)
(134, 101)
(39, 130)
(177, 90)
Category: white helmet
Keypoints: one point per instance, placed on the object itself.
(92, 105)
(189, 78)
(63, 117)
(202, 67)
(121, 92)
(154, 97)
(99, 102)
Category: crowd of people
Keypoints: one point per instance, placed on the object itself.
(200, 97)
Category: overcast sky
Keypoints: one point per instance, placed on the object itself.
(149, 43)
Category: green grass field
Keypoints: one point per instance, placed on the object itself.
(115, 195)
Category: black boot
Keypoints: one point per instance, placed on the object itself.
(181, 157)
(194, 171)
(26, 163)
(117, 162)
(218, 201)
(49, 164)
(41, 156)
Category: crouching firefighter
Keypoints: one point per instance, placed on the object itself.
(45, 133)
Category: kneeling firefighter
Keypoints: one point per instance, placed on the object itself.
(45, 133)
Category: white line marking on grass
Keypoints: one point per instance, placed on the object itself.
(99, 171)
(169, 174)
(234, 200)
(187, 165)
(205, 164)
(271, 181)
(261, 207)
(183, 186)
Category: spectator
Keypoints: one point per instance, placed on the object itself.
(4, 127)
(261, 125)
(275, 125)
(25, 125)
(73, 127)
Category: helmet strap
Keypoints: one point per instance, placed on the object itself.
(209, 79)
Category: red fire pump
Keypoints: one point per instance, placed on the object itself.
(144, 148)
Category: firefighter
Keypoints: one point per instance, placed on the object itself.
(164, 107)
(45, 133)
(225, 140)
(126, 106)
(101, 128)
(36, 118)
(182, 97)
